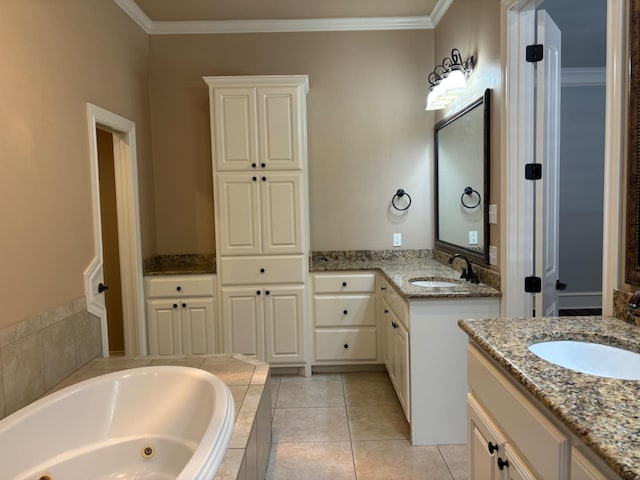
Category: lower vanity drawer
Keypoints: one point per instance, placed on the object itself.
(346, 344)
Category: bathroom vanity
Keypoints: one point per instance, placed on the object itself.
(530, 418)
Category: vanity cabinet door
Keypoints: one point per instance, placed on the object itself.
(165, 334)
(282, 219)
(396, 355)
(197, 320)
(283, 320)
(238, 211)
(513, 467)
(485, 443)
(242, 325)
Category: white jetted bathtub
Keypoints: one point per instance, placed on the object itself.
(143, 423)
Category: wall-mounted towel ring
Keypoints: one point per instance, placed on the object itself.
(400, 194)
(469, 192)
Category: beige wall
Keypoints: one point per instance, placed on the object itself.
(56, 56)
(473, 27)
(368, 131)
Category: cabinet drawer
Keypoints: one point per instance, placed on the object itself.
(346, 344)
(344, 282)
(399, 306)
(261, 270)
(539, 441)
(180, 286)
(344, 310)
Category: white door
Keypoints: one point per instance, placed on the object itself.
(283, 313)
(238, 198)
(548, 155)
(281, 199)
(242, 321)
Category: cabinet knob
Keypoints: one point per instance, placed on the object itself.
(264, 179)
(254, 165)
(386, 311)
(383, 288)
(502, 463)
(175, 305)
(102, 287)
(179, 288)
(263, 164)
(492, 447)
(346, 345)
(344, 284)
(394, 325)
(262, 270)
(258, 292)
(255, 179)
(267, 292)
(184, 305)
(345, 312)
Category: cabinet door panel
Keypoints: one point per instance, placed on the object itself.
(402, 369)
(283, 314)
(234, 128)
(242, 321)
(197, 318)
(517, 469)
(279, 128)
(164, 327)
(282, 220)
(238, 214)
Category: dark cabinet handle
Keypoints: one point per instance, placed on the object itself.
(383, 288)
(386, 311)
(502, 463)
(346, 345)
(254, 165)
(102, 288)
(175, 305)
(263, 164)
(255, 179)
(262, 270)
(179, 288)
(184, 305)
(394, 325)
(345, 312)
(258, 292)
(264, 179)
(344, 284)
(492, 447)
(267, 292)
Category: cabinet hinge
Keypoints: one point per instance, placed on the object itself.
(534, 53)
(532, 284)
(533, 171)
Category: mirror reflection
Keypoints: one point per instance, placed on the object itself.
(462, 181)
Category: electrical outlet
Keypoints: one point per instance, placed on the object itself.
(473, 237)
(397, 239)
(493, 214)
(493, 255)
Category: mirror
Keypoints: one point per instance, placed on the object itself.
(462, 181)
(632, 255)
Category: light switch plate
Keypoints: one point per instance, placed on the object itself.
(397, 239)
(473, 237)
(493, 214)
(493, 255)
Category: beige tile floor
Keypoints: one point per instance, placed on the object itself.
(350, 426)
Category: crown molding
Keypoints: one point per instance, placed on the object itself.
(584, 77)
(151, 27)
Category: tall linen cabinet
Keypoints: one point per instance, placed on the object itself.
(260, 184)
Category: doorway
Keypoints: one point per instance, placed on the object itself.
(116, 233)
(518, 147)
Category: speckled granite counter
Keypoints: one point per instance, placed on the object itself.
(602, 412)
(400, 267)
(246, 377)
(183, 264)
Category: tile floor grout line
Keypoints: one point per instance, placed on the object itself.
(346, 411)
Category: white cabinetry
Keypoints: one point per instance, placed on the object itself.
(181, 314)
(344, 316)
(395, 322)
(258, 139)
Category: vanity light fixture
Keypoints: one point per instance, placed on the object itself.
(448, 80)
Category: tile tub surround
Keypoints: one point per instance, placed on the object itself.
(400, 266)
(39, 352)
(602, 412)
(246, 377)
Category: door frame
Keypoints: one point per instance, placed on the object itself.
(516, 130)
(129, 238)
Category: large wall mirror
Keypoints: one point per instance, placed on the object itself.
(462, 181)
(632, 255)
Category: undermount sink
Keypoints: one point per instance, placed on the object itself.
(592, 358)
(433, 282)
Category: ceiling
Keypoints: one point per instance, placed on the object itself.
(236, 16)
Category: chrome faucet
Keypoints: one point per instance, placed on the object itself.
(467, 273)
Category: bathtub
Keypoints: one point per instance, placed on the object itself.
(153, 422)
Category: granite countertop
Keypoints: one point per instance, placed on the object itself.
(602, 412)
(399, 266)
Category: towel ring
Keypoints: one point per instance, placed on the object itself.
(470, 191)
(399, 194)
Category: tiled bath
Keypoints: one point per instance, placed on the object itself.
(38, 353)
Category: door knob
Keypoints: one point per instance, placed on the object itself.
(102, 287)
(560, 285)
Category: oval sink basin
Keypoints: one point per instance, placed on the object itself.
(592, 358)
(434, 283)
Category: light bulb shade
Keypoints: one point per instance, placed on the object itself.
(433, 103)
(455, 82)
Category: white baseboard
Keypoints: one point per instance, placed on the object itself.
(573, 300)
